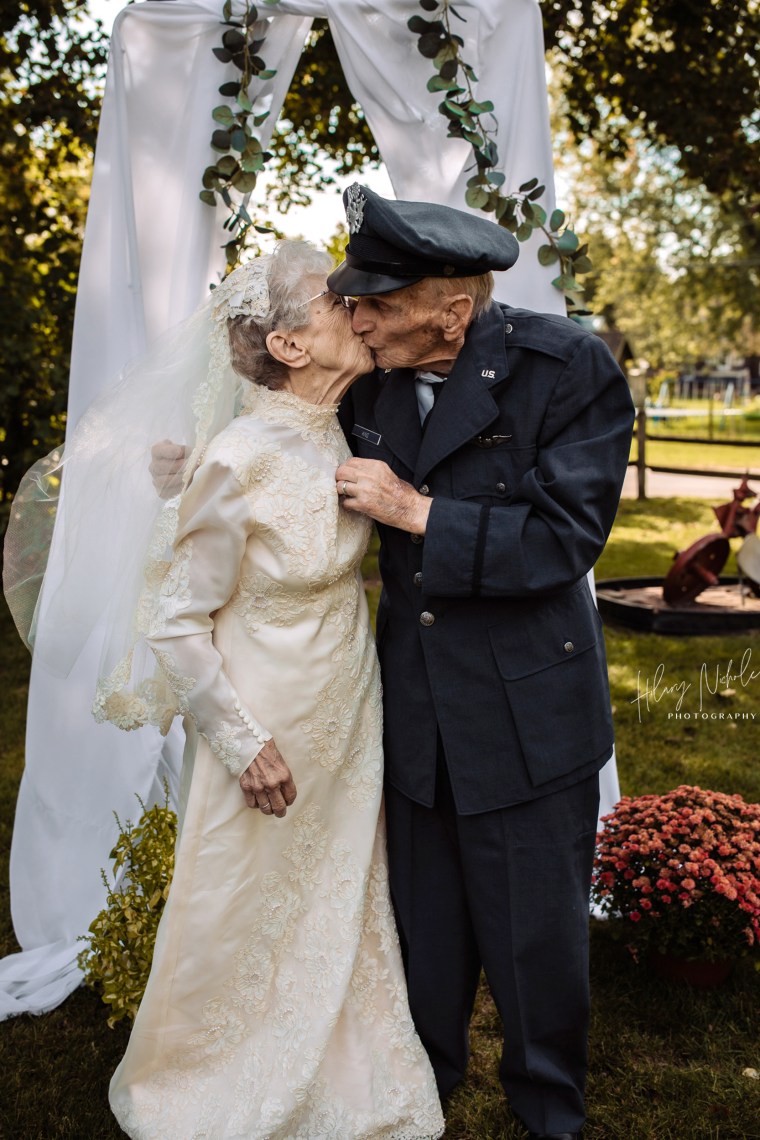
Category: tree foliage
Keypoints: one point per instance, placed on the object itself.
(670, 266)
(684, 73)
(49, 100)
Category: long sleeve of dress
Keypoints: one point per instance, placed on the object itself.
(215, 521)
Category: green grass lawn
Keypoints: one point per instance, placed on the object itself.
(666, 1061)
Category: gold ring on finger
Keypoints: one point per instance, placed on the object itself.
(345, 485)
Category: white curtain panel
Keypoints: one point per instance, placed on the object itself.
(151, 250)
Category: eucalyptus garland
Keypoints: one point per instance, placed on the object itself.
(242, 157)
(518, 211)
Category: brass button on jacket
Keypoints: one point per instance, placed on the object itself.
(568, 647)
(426, 618)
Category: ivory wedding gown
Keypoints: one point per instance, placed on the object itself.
(276, 1006)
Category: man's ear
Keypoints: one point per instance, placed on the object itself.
(457, 316)
(288, 349)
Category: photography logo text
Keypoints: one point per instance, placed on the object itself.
(692, 698)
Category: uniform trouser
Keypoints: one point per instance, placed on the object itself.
(507, 890)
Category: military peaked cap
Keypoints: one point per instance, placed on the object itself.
(393, 244)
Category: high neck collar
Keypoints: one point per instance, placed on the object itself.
(284, 406)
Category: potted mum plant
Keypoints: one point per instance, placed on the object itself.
(679, 874)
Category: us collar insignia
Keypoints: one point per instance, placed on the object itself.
(355, 203)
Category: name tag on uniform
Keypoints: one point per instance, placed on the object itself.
(372, 437)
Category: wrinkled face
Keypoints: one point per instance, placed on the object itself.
(329, 336)
(403, 329)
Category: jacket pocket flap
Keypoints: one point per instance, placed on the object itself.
(561, 630)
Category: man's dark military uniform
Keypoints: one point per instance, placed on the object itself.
(497, 711)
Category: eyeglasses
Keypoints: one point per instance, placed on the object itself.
(346, 302)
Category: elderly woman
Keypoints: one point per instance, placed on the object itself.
(276, 1004)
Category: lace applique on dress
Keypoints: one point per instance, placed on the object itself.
(227, 748)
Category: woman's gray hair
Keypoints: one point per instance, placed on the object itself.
(293, 262)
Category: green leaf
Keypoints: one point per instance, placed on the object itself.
(259, 119)
(252, 147)
(536, 194)
(233, 40)
(222, 54)
(243, 101)
(476, 197)
(429, 45)
(238, 139)
(252, 17)
(529, 185)
(526, 208)
(263, 229)
(220, 140)
(429, 5)
(547, 255)
(582, 264)
(501, 208)
(567, 283)
(244, 182)
(227, 10)
(421, 27)
(496, 178)
(473, 137)
(455, 108)
(567, 242)
(438, 83)
(447, 52)
(524, 231)
(210, 177)
(268, 73)
(252, 163)
(509, 222)
(480, 108)
(453, 10)
(448, 69)
(557, 219)
(230, 89)
(223, 115)
(539, 215)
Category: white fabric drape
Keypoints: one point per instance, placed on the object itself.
(151, 251)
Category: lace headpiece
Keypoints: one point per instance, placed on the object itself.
(245, 292)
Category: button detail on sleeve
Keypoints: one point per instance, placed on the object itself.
(426, 618)
(507, 327)
(501, 488)
(568, 647)
(417, 579)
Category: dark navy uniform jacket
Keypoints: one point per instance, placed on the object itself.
(486, 629)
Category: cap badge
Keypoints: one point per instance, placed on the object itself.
(355, 203)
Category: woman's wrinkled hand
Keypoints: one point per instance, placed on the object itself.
(267, 783)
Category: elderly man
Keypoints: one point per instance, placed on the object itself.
(490, 447)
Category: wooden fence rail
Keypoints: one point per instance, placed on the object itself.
(641, 465)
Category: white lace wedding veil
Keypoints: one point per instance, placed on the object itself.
(89, 540)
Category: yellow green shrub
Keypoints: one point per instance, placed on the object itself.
(121, 939)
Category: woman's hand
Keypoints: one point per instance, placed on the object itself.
(267, 783)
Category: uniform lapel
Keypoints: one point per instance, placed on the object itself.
(397, 415)
(465, 406)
